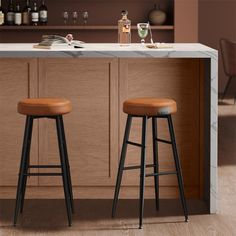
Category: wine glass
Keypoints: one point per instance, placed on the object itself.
(143, 31)
(75, 17)
(85, 17)
(65, 16)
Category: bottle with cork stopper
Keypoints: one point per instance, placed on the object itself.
(124, 29)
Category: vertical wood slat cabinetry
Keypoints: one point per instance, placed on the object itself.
(92, 126)
(178, 79)
(97, 88)
(18, 80)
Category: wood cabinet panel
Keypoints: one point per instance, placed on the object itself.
(95, 127)
(18, 80)
(172, 78)
(91, 128)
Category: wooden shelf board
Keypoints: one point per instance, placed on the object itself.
(79, 27)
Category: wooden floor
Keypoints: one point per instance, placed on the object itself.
(48, 217)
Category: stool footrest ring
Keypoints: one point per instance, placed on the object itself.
(45, 166)
(137, 167)
(134, 144)
(163, 141)
(43, 174)
(162, 173)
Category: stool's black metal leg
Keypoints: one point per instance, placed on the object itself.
(155, 159)
(21, 172)
(142, 172)
(67, 165)
(64, 170)
(25, 171)
(121, 165)
(178, 168)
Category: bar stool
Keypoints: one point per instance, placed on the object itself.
(51, 108)
(146, 108)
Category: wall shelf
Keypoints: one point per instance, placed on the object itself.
(102, 23)
(78, 27)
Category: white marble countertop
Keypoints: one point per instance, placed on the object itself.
(108, 50)
(184, 50)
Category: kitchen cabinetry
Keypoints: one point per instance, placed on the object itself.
(18, 80)
(170, 78)
(97, 88)
(92, 127)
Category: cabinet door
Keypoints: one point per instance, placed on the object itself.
(178, 79)
(91, 128)
(18, 80)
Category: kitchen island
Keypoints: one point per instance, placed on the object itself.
(97, 79)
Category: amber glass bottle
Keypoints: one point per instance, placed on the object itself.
(124, 29)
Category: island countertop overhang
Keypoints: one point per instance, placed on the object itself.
(119, 65)
(176, 50)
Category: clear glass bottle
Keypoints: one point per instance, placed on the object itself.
(124, 29)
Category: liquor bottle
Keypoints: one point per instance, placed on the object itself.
(10, 13)
(34, 15)
(26, 14)
(18, 15)
(1, 14)
(124, 29)
(43, 13)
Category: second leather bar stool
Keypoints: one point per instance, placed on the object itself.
(51, 108)
(153, 108)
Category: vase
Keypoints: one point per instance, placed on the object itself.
(157, 16)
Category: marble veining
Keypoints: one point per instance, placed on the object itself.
(108, 50)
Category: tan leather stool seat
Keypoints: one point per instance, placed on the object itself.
(149, 106)
(44, 106)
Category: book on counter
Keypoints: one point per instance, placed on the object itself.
(52, 41)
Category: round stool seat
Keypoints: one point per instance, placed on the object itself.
(44, 106)
(149, 106)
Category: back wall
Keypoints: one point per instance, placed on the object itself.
(217, 19)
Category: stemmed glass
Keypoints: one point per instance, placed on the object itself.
(75, 17)
(65, 16)
(85, 17)
(143, 31)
